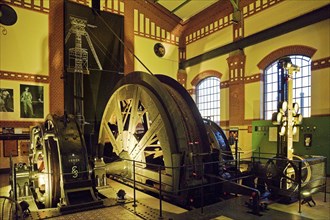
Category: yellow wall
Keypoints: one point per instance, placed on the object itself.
(320, 35)
(24, 49)
(320, 92)
(209, 42)
(280, 13)
(218, 64)
(144, 50)
(252, 100)
(244, 142)
(316, 36)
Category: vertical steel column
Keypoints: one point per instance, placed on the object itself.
(13, 176)
(202, 190)
(160, 192)
(134, 186)
(236, 153)
(325, 174)
(299, 186)
(282, 96)
(289, 139)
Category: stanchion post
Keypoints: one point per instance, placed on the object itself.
(13, 176)
(202, 190)
(134, 187)
(299, 186)
(325, 183)
(236, 154)
(160, 193)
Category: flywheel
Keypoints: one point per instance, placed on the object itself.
(152, 120)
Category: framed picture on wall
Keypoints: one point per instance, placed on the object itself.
(24, 148)
(6, 100)
(31, 101)
(10, 147)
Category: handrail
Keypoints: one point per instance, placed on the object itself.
(217, 181)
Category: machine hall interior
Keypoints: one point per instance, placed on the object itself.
(161, 109)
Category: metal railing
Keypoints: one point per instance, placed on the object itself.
(316, 184)
(175, 192)
(309, 177)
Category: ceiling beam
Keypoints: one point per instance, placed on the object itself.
(275, 31)
(180, 6)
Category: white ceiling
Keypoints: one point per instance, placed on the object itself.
(185, 9)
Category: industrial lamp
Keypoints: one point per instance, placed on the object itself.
(295, 109)
(121, 196)
(307, 198)
(277, 118)
(294, 130)
(282, 106)
(298, 119)
(286, 63)
(283, 130)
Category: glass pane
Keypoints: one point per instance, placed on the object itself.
(305, 63)
(306, 81)
(298, 83)
(269, 106)
(208, 100)
(301, 85)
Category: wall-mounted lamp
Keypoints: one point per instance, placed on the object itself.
(8, 17)
(159, 49)
(237, 17)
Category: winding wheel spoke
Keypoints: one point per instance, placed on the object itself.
(148, 138)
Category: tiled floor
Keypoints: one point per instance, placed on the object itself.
(147, 207)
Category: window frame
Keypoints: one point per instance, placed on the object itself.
(208, 98)
(304, 62)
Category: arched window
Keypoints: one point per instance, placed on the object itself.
(208, 98)
(301, 86)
